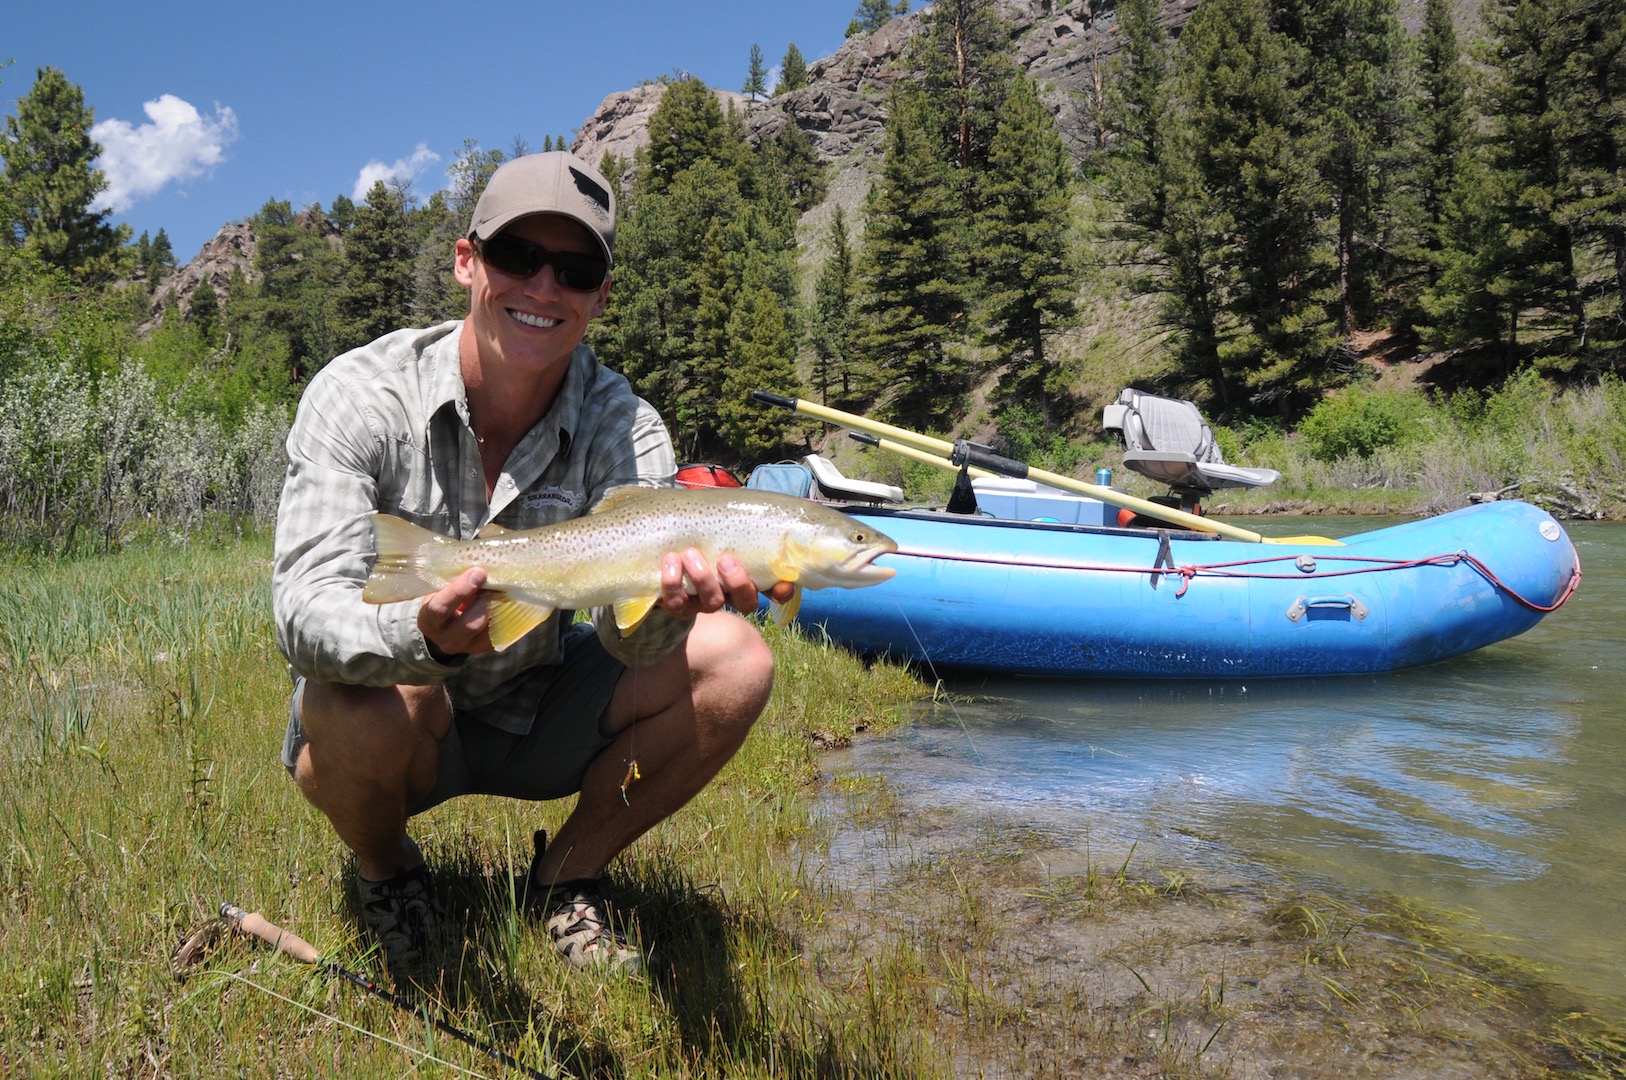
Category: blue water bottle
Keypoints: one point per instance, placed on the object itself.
(1103, 477)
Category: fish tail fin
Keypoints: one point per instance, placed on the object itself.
(401, 571)
(511, 616)
(782, 614)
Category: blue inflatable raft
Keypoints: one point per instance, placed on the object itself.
(1071, 598)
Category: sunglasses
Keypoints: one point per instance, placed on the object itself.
(522, 259)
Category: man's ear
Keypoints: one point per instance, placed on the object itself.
(463, 262)
(602, 300)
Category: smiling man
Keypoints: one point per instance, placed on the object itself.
(504, 416)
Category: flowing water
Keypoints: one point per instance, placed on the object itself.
(1493, 785)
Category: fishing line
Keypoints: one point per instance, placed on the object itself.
(357, 1028)
(938, 679)
(296, 947)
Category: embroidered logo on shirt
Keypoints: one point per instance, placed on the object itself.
(572, 501)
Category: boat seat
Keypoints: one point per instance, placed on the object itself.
(1167, 440)
(831, 484)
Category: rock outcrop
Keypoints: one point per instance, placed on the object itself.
(231, 249)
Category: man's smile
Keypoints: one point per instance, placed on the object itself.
(533, 320)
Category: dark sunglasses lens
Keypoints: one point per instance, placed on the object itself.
(514, 257)
(523, 259)
(581, 272)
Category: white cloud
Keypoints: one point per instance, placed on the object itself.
(178, 143)
(405, 170)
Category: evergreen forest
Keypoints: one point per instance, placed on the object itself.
(1267, 189)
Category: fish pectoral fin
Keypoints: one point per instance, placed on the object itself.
(631, 612)
(785, 567)
(511, 617)
(782, 614)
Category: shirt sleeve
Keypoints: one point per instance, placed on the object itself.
(646, 459)
(324, 545)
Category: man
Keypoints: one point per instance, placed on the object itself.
(502, 416)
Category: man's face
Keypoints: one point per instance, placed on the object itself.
(530, 322)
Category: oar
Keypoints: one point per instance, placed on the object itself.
(980, 459)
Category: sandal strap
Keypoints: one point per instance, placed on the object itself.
(578, 921)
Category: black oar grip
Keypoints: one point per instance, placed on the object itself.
(970, 453)
(773, 399)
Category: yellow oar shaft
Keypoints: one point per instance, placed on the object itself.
(1119, 498)
(925, 448)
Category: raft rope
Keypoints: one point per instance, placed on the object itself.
(1190, 572)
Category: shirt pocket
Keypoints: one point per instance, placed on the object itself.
(409, 487)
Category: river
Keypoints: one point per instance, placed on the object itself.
(1492, 785)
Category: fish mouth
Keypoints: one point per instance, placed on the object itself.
(860, 566)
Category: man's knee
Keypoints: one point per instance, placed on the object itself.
(733, 663)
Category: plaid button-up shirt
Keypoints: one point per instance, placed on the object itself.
(386, 428)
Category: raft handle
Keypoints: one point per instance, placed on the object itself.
(1304, 603)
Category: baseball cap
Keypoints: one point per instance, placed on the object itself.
(557, 182)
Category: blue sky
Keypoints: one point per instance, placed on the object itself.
(206, 111)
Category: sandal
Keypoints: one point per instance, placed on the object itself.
(578, 921)
(403, 914)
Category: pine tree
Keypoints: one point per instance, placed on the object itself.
(375, 290)
(761, 356)
(1256, 201)
(792, 71)
(50, 183)
(342, 212)
(299, 272)
(1591, 117)
(1432, 186)
(830, 328)
(756, 77)
(1441, 127)
(161, 256)
(1535, 278)
(909, 296)
(687, 126)
(670, 305)
(1024, 244)
(967, 73)
(793, 163)
(203, 312)
(1345, 54)
(872, 15)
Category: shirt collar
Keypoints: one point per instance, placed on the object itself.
(446, 389)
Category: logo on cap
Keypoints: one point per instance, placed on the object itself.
(591, 189)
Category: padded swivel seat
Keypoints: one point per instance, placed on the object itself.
(832, 484)
(1166, 440)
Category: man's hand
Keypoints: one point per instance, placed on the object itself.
(456, 620)
(714, 588)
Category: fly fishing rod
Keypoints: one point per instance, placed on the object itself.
(291, 944)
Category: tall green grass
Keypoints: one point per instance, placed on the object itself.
(140, 787)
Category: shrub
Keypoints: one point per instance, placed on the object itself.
(1361, 421)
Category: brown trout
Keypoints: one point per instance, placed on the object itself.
(612, 555)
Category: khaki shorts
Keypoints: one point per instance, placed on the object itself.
(549, 761)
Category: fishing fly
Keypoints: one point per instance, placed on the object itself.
(627, 781)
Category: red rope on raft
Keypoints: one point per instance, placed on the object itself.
(1189, 572)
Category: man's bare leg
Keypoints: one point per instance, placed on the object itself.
(370, 756)
(681, 720)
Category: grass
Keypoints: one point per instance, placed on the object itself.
(139, 788)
